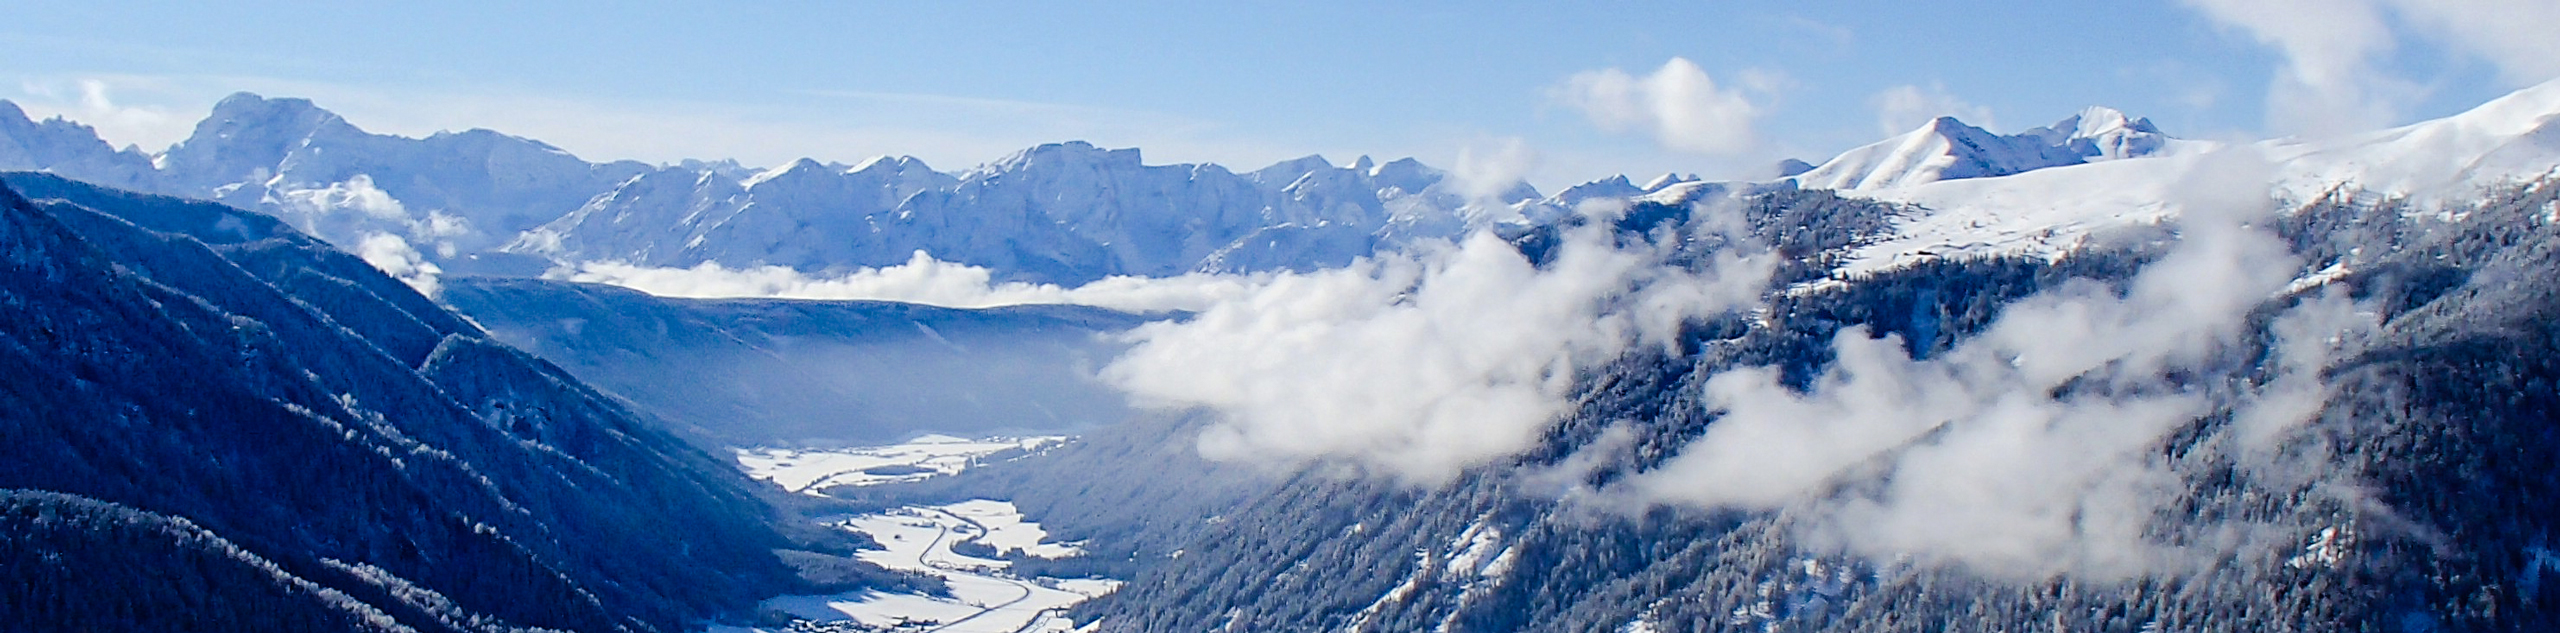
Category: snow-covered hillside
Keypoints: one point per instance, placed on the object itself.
(1948, 149)
(2049, 212)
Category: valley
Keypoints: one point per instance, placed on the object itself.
(983, 596)
(294, 374)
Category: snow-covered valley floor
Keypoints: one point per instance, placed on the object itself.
(808, 471)
(985, 595)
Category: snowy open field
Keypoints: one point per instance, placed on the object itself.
(808, 471)
(985, 594)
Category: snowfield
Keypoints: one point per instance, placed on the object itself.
(985, 594)
(984, 597)
(807, 471)
(2052, 211)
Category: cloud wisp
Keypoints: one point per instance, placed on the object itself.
(1903, 108)
(1419, 366)
(2334, 77)
(94, 101)
(922, 279)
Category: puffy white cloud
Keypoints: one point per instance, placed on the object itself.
(1483, 175)
(396, 258)
(1678, 104)
(356, 194)
(2031, 448)
(1420, 366)
(1904, 108)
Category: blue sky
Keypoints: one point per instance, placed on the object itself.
(1560, 92)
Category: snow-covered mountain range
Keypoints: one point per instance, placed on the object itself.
(481, 202)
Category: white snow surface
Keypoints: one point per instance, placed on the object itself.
(809, 470)
(1006, 530)
(1948, 149)
(984, 596)
(2049, 212)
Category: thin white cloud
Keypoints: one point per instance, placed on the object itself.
(1840, 38)
(1678, 104)
(922, 279)
(1906, 107)
(96, 102)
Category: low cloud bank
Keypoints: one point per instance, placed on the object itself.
(922, 279)
(2032, 448)
(1419, 366)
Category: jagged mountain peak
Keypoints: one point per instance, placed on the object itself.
(890, 164)
(805, 167)
(1406, 174)
(246, 110)
(1064, 211)
(60, 144)
(2103, 133)
(1611, 187)
(246, 134)
(1287, 172)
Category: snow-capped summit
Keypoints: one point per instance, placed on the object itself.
(1790, 167)
(2103, 133)
(1948, 149)
(1611, 187)
(247, 134)
(1283, 173)
(2507, 141)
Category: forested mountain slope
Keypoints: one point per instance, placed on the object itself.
(2414, 495)
(236, 426)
